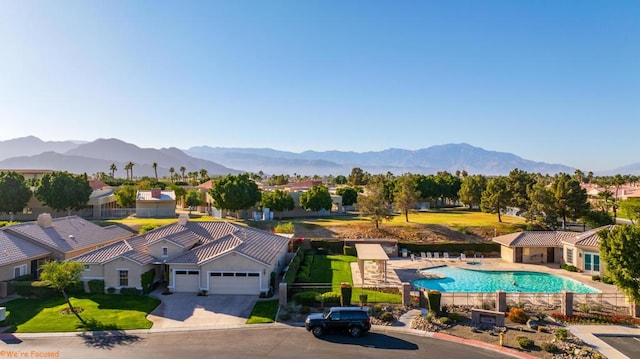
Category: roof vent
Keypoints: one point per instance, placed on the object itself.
(183, 218)
(72, 237)
(44, 220)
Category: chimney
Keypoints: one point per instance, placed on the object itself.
(44, 220)
(183, 218)
(155, 192)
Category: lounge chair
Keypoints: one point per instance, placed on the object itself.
(445, 255)
(429, 256)
(436, 255)
(413, 257)
(423, 256)
(463, 256)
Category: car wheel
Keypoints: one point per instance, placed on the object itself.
(355, 331)
(317, 331)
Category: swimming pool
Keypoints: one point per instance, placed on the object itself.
(452, 279)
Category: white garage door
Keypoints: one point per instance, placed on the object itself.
(234, 283)
(187, 281)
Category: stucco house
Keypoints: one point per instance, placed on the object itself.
(155, 203)
(219, 257)
(25, 246)
(581, 250)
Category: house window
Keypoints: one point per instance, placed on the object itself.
(569, 256)
(165, 251)
(19, 270)
(123, 277)
(87, 268)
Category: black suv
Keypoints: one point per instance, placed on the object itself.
(354, 320)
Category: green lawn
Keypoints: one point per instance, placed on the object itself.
(336, 269)
(102, 311)
(264, 312)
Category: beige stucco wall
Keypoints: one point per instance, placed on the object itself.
(111, 278)
(507, 254)
(96, 271)
(534, 255)
(6, 272)
(155, 209)
(155, 249)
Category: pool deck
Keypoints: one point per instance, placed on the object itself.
(401, 270)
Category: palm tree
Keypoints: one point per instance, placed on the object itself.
(155, 169)
(182, 169)
(129, 167)
(171, 170)
(113, 170)
(204, 174)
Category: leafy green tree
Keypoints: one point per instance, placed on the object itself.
(316, 198)
(448, 186)
(620, 250)
(126, 196)
(631, 207)
(358, 177)
(542, 209)
(374, 203)
(406, 195)
(204, 175)
(570, 198)
(518, 183)
(349, 195)
(279, 180)
(14, 193)
(193, 199)
(471, 190)
(62, 275)
(234, 193)
(277, 200)
(63, 191)
(596, 219)
(340, 179)
(428, 187)
(496, 197)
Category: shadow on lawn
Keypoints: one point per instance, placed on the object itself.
(105, 336)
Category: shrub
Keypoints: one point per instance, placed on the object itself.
(434, 300)
(387, 317)
(595, 278)
(111, 290)
(330, 246)
(584, 307)
(607, 280)
(517, 315)
(285, 316)
(96, 286)
(541, 316)
(549, 347)
(445, 320)
(350, 251)
(146, 228)
(146, 279)
(130, 291)
(33, 289)
(525, 342)
(330, 298)
(286, 227)
(562, 334)
(307, 298)
(467, 248)
(294, 267)
(305, 310)
(24, 278)
(569, 267)
(454, 316)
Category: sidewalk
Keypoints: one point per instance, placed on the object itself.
(588, 334)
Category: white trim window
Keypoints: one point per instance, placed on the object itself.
(87, 268)
(570, 256)
(165, 252)
(123, 277)
(19, 270)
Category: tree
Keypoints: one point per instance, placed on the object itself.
(129, 168)
(373, 203)
(155, 169)
(63, 191)
(358, 177)
(126, 196)
(113, 168)
(471, 190)
(518, 183)
(542, 209)
(316, 199)
(570, 198)
(60, 276)
(349, 195)
(171, 171)
(193, 199)
(182, 169)
(277, 200)
(596, 219)
(406, 195)
(234, 193)
(495, 197)
(340, 179)
(631, 207)
(429, 189)
(204, 174)
(620, 250)
(14, 193)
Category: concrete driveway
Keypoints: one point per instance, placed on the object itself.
(187, 310)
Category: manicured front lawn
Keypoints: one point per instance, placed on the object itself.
(31, 315)
(264, 312)
(336, 269)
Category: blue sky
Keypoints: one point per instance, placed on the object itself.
(552, 81)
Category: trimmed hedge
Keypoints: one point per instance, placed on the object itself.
(308, 298)
(350, 251)
(146, 279)
(329, 246)
(33, 289)
(96, 286)
(130, 291)
(452, 247)
(292, 273)
(330, 298)
(434, 300)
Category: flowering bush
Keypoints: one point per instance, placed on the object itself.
(517, 315)
(592, 318)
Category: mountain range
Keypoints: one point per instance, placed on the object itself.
(97, 156)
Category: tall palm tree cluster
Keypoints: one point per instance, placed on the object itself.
(173, 176)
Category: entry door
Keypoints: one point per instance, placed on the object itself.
(591, 262)
(518, 254)
(551, 255)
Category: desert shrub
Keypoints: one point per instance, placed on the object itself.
(286, 227)
(562, 334)
(307, 298)
(434, 300)
(517, 315)
(330, 298)
(454, 316)
(445, 320)
(584, 307)
(569, 267)
(488, 304)
(130, 291)
(96, 286)
(595, 278)
(525, 342)
(387, 317)
(549, 347)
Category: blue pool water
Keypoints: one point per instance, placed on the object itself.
(471, 280)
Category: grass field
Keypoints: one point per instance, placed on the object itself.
(264, 312)
(32, 315)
